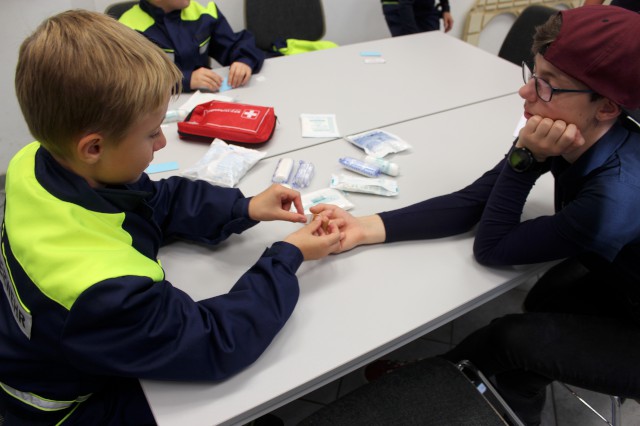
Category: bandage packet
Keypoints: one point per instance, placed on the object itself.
(376, 186)
(303, 175)
(224, 164)
(378, 143)
(325, 196)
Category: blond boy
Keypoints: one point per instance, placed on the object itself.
(86, 310)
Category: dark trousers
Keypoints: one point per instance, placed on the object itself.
(422, 17)
(576, 329)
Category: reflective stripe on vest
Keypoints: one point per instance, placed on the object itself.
(63, 247)
(41, 403)
(295, 46)
(21, 313)
(195, 10)
(137, 19)
(140, 20)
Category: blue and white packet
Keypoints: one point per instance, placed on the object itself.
(378, 143)
(376, 186)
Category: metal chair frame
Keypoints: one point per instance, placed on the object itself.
(489, 392)
(616, 407)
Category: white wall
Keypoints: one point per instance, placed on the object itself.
(348, 21)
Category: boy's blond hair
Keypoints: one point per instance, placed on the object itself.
(82, 72)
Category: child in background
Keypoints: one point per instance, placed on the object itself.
(191, 33)
(416, 16)
(86, 310)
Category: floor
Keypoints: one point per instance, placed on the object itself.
(562, 409)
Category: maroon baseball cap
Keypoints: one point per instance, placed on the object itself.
(600, 46)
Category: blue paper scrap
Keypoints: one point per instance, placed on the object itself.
(225, 85)
(162, 167)
(370, 53)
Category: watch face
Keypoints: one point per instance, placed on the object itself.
(520, 159)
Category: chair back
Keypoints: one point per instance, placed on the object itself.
(272, 20)
(516, 46)
(116, 10)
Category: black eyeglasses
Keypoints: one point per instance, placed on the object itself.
(544, 90)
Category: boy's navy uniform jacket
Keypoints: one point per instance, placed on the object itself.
(85, 300)
(193, 34)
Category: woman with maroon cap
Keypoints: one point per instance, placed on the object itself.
(582, 319)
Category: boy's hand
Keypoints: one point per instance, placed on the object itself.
(204, 78)
(545, 137)
(275, 203)
(356, 230)
(313, 242)
(239, 74)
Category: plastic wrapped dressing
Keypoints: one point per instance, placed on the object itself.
(325, 196)
(361, 167)
(224, 164)
(377, 186)
(303, 175)
(378, 143)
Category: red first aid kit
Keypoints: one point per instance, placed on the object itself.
(229, 121)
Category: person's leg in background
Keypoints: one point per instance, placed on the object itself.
(392, 16)
(427, 15)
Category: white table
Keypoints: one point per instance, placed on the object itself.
(357, 306)
(424, 74)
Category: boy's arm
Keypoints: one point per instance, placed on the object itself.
(130, 326)
(186, 80)
(197, 210)
(228, 46)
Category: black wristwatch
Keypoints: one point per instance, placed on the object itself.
(522, 160)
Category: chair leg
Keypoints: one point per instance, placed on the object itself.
(616, 403)
(490, 393)
(616, 411)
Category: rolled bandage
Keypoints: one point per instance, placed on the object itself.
(283, 171)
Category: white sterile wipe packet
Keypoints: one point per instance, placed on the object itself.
(324, 196)
(376, 186)
(224, 164)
